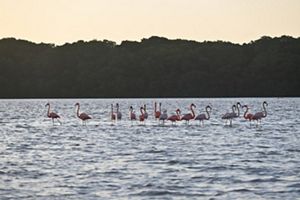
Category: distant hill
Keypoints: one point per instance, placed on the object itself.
(154, 67)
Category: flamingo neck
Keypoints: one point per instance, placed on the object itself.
(238, 110)
(160, 108)
(193, 112)
(233, 109)
(178, 114)
(208, 115)
(265, 110)
(78, 107)
(142, 111)
(112, 109)
(245, 113)
(48, 113)
(155, 107)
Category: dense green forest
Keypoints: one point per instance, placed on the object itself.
(154, 67)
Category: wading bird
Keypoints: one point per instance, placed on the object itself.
(163, 116)
(176, 117)
(202, 117)
(247, 116)
(131, 114)
(157, 113)
(112, 114)
(189, 116)
(119, 114)
(52, 115)
(83, 116)
(259, 115)
(230, 116)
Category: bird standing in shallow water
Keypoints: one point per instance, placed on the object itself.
(157, 113)
(83, 116)
(202, 117)
(119, 114)
(189, 116)
(132, 115)
(247, 116)
(163, 117)
(176, 117)
(259, 115)
(52, 115)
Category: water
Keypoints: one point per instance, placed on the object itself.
(125, 160)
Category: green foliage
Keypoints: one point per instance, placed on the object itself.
(154, 67)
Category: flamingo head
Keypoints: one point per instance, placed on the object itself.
(76, 104)
(238, 104)
(178, 110)
(144, 106)
(117, 105)
(265, 103)
(131, 108)
(141, 108)
(234, 107)
(48, 104)
(193, 105)
(208, 107)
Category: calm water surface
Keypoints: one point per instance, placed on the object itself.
(125, 160)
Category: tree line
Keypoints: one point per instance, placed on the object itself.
(153, 67)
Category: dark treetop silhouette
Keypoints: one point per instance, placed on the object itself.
(154, 67)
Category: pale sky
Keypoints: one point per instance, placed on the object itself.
(61, 21)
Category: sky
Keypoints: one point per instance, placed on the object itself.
(61, 21)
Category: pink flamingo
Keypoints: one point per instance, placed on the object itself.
(176, 117)
(82, 116)
(52, 115)
(145, 112)
(163, 116)
(230, 116)
(189, 116)
(259, 115)
(132, 115)
(112, 114)
(142, 116)
(202, 117)
(119, 114)
(247, 116)
(157, 113)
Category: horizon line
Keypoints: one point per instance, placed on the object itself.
(140, 40)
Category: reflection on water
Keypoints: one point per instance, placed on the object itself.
(144, 161)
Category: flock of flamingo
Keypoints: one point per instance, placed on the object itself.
(162, 117)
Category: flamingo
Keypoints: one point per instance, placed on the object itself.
(230, 116)
(259, 115)
(202, 117)
(142, 116)
(163, 116)
(176, 117)
(145, 112)
(157, 113)
(189, 116)
(119, 114)
(238, 105)
(131, 114)
(112, 115)
(82, 116)
(247, 116)
(52, 115)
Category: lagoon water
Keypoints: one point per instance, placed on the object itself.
(125, 160)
